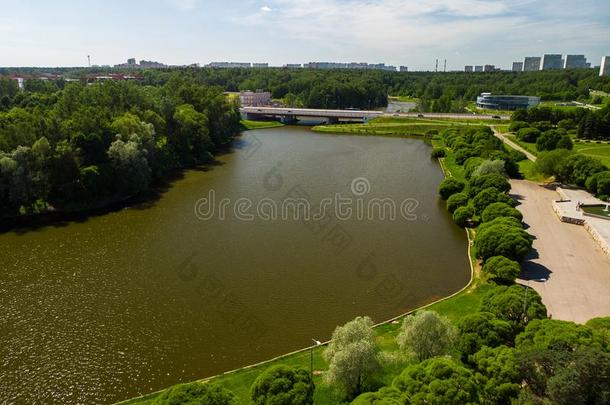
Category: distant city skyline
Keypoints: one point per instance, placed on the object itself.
(411, 33)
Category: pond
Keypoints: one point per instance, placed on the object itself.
(101, 309)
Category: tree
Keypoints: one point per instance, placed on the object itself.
(437, 381)
(495, 180)
(130, 165)
(489, 167)
(549, 163)
(471, 165)
(192, 140)
(517, 125)
(283, 385)
(426, 334)
(352, 356)
(196, 394)
(501, 270)
(503, 236)
(500, 368)
(456, 201)
(482, 329)
(564, 377)
(385, 396)
(577, 168)
(528, 134)
(463, 215)
(500, 209)
(514, 304)
(489, 196)
(599, 184)
(553, 139)
(543, 334)
(450, 186)
(585, 379)
(438, 153)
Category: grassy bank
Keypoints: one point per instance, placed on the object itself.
(454, 307)
(396, 127)
(248, 124)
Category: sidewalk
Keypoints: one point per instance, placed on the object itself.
(575, 269)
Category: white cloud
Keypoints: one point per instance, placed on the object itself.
(266, 9)
(366, 30)
(185, 5)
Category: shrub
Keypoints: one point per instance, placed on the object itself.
(553, 139)
(470, 165)
(495, 180)
(576, 169)
(508, 303)
(543, 125)
(517, 125)
(566, 124)
(482, 329)
(491, 167)
(438, 380)
(438, 153)
(517, 155)
(487, 197)
(500, 209)
(456, 201)
(501, 270)
(463, 215)
(196, 393)
(449, 187)
(565, 142)
(528, 134)
(599, 184)
(503, 236)
(548, 163)
(283, 384)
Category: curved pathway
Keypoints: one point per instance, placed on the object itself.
(514, 145)
(577, 272)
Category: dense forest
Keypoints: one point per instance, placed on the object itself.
(438, 92)
(72, 146)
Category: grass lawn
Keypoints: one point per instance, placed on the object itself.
(529, 146)
(600, 151)
(455, 307)
(394, 126)
(248, 124)
(404, 99)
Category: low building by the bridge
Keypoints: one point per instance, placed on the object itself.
(258, 98)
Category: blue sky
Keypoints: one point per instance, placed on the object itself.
(400, 32)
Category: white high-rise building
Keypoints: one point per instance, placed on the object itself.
(575, 62)
(531, 63)
(551, 62)
(604, 69)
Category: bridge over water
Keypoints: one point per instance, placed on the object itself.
(288, 115)
(291, 115)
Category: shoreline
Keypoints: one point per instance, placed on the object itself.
(474, 274)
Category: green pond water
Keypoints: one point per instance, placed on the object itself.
(597, 210)
(105, 308)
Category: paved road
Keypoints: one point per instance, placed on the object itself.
(455, 116)
(514, 145)
(577, 271)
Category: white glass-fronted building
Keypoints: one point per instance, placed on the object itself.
(506, 102)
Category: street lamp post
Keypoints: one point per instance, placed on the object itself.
(317, 343)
